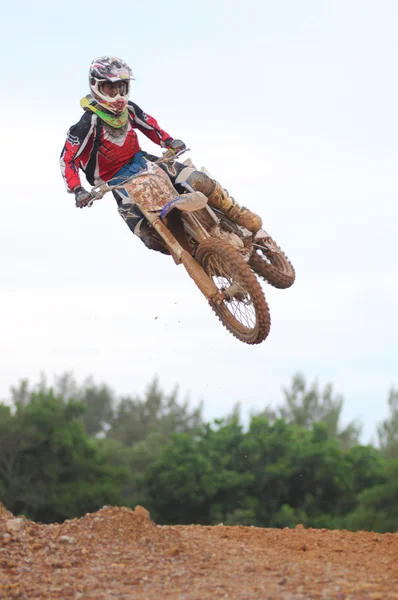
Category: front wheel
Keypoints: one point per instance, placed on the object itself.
(241, 308)
(268, 261)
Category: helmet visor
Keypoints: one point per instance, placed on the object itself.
(114, 88)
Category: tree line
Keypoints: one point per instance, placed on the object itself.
(68, 449)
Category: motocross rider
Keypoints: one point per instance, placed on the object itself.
(105, 146)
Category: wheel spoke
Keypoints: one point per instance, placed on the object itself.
(239, 303)
(261, 253)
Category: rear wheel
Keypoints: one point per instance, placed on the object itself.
(242, 309)
(268, 261)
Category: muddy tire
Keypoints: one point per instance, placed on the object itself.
(244, 311)
(268, 261)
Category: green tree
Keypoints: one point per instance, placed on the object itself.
(199, 478)
(70, 449)
(304, 406)
(275, 474)
(135, 419)
(388, 430)
(49, 468)
(129, 420)
(377, 508)
(97, 400)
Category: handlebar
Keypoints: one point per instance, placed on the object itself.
(170, 155)
(99, 191)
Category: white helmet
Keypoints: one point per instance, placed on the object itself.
(110, 69)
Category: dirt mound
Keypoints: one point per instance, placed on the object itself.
(4, 514)
(117, 553)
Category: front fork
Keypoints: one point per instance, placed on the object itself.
(180, 255)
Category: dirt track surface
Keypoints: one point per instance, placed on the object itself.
(117, 553)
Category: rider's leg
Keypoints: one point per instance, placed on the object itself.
(137, 223)
(219, 198)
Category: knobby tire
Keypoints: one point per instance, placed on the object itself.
(222, 262)
(274, 267)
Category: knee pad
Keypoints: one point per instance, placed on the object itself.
(197, 179)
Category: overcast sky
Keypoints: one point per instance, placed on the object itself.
(292, 106)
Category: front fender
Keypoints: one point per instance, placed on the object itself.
(187, 202)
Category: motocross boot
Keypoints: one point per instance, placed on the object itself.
(150, 237)
(220, 198)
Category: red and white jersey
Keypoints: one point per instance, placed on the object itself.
(100, 150)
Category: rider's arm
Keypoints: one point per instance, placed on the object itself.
(78, 143)
(148, 125)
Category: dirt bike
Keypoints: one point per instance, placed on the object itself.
(219, 255)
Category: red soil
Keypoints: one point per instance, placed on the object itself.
(120, 554)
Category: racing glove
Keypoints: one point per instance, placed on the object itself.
(175, 145)
(82, 197)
